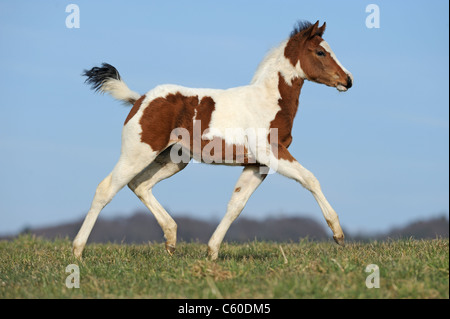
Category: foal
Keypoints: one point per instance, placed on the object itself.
(249, 126)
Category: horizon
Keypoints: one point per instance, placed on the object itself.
(310, 228)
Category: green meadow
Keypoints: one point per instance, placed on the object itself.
(33, 267)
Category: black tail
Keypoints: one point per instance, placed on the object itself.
(97, 76)
(107, 79)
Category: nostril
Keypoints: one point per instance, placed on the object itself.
(349, 82)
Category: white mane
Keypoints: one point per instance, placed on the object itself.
(275, 61)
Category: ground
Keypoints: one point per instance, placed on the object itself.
(32, 267)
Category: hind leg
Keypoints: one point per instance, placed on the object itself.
(161, 168)
(248, 182)
(131, 163)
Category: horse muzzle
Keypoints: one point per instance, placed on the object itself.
(342, 88)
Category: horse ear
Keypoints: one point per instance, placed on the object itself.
(321, 30)
(313, 30)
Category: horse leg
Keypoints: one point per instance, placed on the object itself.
(161, 168)
(291, 168)
(247, 183)
(134, 158)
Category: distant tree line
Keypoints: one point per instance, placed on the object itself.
(142, 227)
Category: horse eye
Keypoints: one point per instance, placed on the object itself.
(321, 53)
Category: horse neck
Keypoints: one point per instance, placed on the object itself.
(281, 79)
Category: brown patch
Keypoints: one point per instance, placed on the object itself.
(204, 112)
(237, 190)
(216, 151)
(134, 109)
(284, 120)
(293, 47)
(283, 153)
(164, 114)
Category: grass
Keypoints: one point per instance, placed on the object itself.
(35, 268)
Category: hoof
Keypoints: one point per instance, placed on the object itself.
(212, 254)
(339, 240)
(77, 252)
(170, 249)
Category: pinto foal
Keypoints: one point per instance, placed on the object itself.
(154, 131)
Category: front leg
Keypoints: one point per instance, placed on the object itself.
(248, 182)
(285, 164)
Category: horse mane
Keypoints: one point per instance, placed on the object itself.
(273, 56)
(300, 26)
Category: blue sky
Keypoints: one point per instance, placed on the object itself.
(380, 150)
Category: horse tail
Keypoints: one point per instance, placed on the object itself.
(107, 79)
